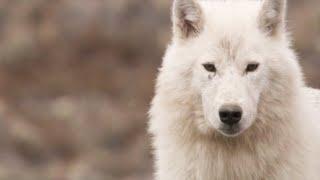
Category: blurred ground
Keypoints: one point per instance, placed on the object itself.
(76, 79)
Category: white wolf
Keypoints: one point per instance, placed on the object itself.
(231, 103)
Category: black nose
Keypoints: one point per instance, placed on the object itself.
(230, 114)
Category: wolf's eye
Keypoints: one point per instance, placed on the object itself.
(252, 67)
(210, 67)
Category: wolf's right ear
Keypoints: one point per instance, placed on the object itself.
(187, 18)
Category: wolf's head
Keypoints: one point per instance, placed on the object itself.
(235, 56)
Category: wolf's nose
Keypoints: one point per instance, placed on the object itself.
(230, 114)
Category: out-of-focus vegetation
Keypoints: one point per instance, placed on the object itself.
(76, 79)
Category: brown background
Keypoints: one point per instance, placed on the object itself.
(76, 79)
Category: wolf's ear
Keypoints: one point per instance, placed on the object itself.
(272, 16)
(187, 18)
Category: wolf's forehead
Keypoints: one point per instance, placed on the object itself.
(231, 14)
(231, 6)
(229, 47)
(236, 48)
(232, 26)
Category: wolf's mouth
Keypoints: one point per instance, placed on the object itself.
(230, 131)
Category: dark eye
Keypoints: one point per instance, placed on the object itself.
(252, 67)
(210, 67)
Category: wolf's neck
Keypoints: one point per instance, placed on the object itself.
(219, 157)
(271, 141)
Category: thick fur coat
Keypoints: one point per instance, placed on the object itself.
(233, 52)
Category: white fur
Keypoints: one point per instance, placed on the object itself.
(279, 137)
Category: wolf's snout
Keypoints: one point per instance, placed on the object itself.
(230, 114)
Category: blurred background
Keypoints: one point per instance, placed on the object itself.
(76, 79)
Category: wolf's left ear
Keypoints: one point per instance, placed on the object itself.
(187, 18)
(272, 16)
